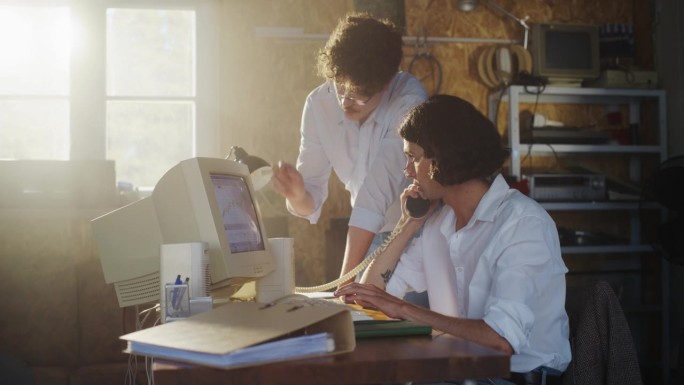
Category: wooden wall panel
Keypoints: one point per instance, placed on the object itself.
(265, 81)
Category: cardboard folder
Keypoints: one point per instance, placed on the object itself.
(248, 333)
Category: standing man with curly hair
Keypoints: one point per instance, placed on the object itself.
(349, 125)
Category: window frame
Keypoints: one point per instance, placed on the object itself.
(87, 94)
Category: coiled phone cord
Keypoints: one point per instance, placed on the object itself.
(353, 272)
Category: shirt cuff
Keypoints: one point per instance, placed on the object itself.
(394, 288)
(313, 218)
(366, 219)
(512, 321)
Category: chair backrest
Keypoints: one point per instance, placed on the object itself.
(602, 347)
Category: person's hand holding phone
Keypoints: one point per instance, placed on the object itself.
(415, 205)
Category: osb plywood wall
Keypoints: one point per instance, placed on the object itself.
(265, 80)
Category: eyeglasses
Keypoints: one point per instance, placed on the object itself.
(411, 157)
(341, 95)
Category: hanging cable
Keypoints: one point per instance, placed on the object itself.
(425, 66)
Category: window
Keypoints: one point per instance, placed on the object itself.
(34, 82)
(132, 81)
(150, 59)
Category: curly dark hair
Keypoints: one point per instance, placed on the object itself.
(363, 50)
(462, 142)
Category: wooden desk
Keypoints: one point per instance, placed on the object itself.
(374, 361)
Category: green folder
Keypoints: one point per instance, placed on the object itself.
(389, 328)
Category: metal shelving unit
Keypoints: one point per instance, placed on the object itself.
(515, 95)
(633, 99)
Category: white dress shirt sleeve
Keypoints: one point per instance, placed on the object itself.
(385, 179)
(528, 261)
(312, 161)
(408, 274)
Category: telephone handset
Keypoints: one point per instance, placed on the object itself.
(416, 207)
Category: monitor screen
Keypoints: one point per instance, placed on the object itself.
(239, 216)
(568, 50)
(565, 53)
(199, 200)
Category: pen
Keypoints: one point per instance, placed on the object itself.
(181, 293)
(174, 297)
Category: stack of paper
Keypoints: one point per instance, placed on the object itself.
(288, 348)
(248, 333)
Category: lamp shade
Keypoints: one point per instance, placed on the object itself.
(252, 162)
(259, 169)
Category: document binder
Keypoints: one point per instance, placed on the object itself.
(231, 335)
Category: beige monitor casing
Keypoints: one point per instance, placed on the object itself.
(181, 209)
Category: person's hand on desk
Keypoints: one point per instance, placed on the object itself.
(370, 296)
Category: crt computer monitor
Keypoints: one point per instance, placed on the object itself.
(565, 53)
(198, 200)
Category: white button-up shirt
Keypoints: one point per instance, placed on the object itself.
(367, 158)
(504, 267)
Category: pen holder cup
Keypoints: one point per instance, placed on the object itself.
(177, 304)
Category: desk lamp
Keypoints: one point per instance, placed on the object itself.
(259, 169)
(469, 5)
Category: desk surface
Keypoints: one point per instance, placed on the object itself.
(374, 361)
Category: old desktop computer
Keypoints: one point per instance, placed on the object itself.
(207, 201)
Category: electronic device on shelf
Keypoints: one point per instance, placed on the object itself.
(537, 128)
(572, 237)
(567, 187)
(199, 200)
(625, 78)
(565, 53)
(564, 135)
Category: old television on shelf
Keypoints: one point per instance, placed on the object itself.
(198, 200)
(565, 53)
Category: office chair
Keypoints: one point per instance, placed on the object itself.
(603, 351)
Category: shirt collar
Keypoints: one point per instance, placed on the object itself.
(485, 211)
(490, 202)
(448, 221)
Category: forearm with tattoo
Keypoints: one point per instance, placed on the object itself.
(386, 275)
